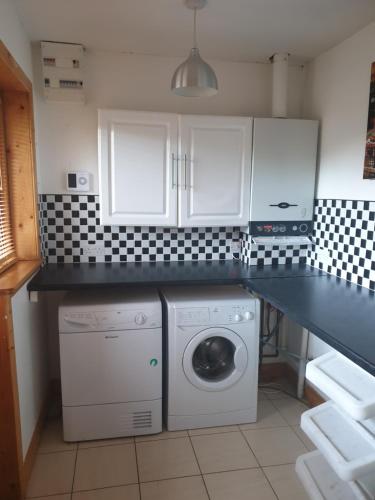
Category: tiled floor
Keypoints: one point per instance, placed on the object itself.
(252, 462)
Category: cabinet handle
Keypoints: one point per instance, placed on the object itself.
(185, 159)
(174, 160)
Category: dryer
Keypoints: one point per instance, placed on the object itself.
(211, 356)
(111, 363)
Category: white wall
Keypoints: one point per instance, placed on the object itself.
(337, 93)
(292, 337)
(67, 132)
(31, 360)
(14, 37)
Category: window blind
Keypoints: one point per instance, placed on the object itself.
(7, 250)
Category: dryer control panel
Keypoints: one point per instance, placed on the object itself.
(73, 321)
(215, 315)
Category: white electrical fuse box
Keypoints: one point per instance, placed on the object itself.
(62, 67)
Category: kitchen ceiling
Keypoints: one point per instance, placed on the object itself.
(237, 30)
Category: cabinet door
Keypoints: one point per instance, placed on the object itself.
(283, 171)
(214, 170)
(137, 175)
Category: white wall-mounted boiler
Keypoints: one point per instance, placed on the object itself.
(283, 177)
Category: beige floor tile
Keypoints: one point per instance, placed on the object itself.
(248, 484)
(290, 409)
(53, 497)
(161, 435)
(184, 488)
(272, 394)
(105, 466)
(52, 438)
(166, 459)
(275, 446)
(261, 395)
(268, 416)
(130, 492)
(280, 389)
(104, 442)
(52, 474)
(303, 437)
(223, 452)
(213, 430)
(285, 482)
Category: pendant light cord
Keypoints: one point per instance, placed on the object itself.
(195, 30)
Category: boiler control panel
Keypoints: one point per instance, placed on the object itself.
(280, 228)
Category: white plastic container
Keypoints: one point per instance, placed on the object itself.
(348, 445)
(366, 485)
(322, 483)
(348, 385)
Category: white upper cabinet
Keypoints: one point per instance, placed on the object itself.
(283, 170)
(137, 170)
(214, 170)
(159, 169)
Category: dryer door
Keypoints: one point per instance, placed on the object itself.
(215, 359)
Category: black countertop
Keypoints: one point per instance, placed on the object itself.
(215, 272)
(339, 313)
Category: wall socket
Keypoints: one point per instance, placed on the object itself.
(94, 250)
(235, 246)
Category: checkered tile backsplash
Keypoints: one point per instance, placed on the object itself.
(71, 232)
(343, 234)
(270, 255)
(344, 240)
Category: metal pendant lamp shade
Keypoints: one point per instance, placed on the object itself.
(194, 77)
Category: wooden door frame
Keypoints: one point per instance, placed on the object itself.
(16, 91)
(11, 458)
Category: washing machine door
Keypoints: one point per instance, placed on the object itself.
(215, 359)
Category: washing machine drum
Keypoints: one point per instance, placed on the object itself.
(215, 359)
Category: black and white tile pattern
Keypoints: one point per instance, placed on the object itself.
(344, 240)
(343, 234)
(71, 233)
(270, 255)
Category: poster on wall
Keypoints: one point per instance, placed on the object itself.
(369, 169)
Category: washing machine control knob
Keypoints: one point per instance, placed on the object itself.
(248, 315)
(237, 318)
(140, 319)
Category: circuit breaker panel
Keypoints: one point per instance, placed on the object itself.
(62, 66)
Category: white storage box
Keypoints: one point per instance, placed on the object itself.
(348, 385)
(322, 483)
(366, 485)
(348, 445)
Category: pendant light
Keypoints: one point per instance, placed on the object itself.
(194, 77)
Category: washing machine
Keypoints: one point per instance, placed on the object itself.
(211, 356)
(111, 363)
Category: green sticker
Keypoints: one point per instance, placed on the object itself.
(153, 362)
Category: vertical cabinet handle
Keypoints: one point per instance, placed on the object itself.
(175, 172)
(185, 159)
(174, 163)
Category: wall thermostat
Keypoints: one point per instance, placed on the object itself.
(78, 181)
